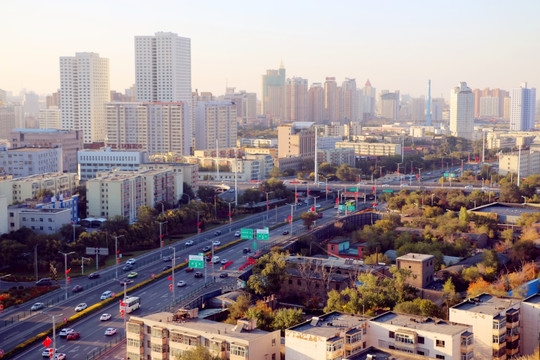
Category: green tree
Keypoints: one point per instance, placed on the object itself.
(510, 193)
(264, 315)
(451, 297)
(463, 215)
(285, 318)
(250, 196)
(470, 274)
(275, 172)
(82, 201)
(198, 353)
(268, 273)
(308, 217)
(420, 307)
(490, 259)
(41, 193)
(206, 194)
(373, 258)
(238, 309)
(347, 173)
(327, 169)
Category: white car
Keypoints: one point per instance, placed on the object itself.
(224, 261)
(181, 283)
(403, 185)
(110, 331)
(468, 187)
(189, 242)
(237, 234)
(60, 356)
(385, 185)
(81, 307)
(216, 243)
(107, 294)
(131, 261)
(65, 331)
(37, 306)
(105, 317)
(45, 352)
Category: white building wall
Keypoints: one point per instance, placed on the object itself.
(301, 346)
(530, 325)
(4, 220)
(522, 108)
(462, 112)
(482, 325)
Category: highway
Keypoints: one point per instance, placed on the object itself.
(154, 296)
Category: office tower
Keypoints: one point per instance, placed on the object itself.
(246, 104)
(84, 90)
(316, 103)
(389, 105)
(428, 109)
(273, 94)
(462, 101)
(418, 107)
(49, 118)
(369, 94)
(522, 108)
(152, 127)
(215, 125)
(350, 100)
(31, 104)
(477, 95)
(330, 99)
(296, 99)
(163, 74)
(489, 107)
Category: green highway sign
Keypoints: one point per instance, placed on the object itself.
(388, 191)
(452, 175)
(350, 208)
(353, 189)
(254, 245)
(196, 261)
(341, 207)
(445, 174)
(246, 234)
(263, 234)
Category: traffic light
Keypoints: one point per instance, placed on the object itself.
(122, 313)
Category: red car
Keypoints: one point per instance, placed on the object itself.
(73, 336)
(189, 269)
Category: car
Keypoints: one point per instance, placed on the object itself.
(167, 258)
(216, 243)
(77, 288)
(125, 281)
(132, 274)
(428, 173)
(44, 282)
(93, 276)
(286, 232)
(385, 185)
(110, 331)
(198, 274)
(60, 356)
(246, 250)
(223, 275)
(131, 261)
(206, 248)
(215, 259)
(254, 187)
(189, 243)
(189, 269)
(128, 267)
(37, 306)
(81, 307)
(231, 190)
(217, 233)
(106, 294)
(224, 261)
(237, 234)
(362, 183)
(317, 206)
(105, 317)
(74, 335)
(485, 188)
(181, 283)
(45, 352)
(403, 185)
(468, 187)
(166, 267)
(322, 183)
(65, 332)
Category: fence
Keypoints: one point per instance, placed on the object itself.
(97, 353)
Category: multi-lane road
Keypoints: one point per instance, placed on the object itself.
(155, 296)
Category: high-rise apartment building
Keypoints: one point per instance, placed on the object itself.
(349, 101)
(389, 105)
(418, 108)
(369, 94)
(84, 90)
(296, 99)
(31, 104)
(151, 127)
(330, 99)
(273, 94)
(215, 125)
(522, 108)
(462, 101)
(163, 74)
(246, 105)
(316, 103)
(50, 118)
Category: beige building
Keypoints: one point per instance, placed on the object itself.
(122, 193)
(296, 139)
(215, 125)
(389, 105)
(21, 189)
(251, 167)
(316, 103)
(362, 148)
(166, 336)
(422, 267)
(296, 92)
(432, 338)
(336, 156)
(332, 336)
(189, 173)
(495, 324)
(526, 165)
(50, 118)
(530, 324)
(40, 221)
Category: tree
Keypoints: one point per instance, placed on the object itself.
(490, 259)
(327, 169)
(510, 193)
(198, 353)
(374, 258)
(82, 201)
(268, 273)
(42, 193)
(463, 215)
(470, 274)
(238, 309)
(478, 287)
(275, 172)
(309, 217)
(264, 315)
(285, 318)
(206, 194)
(346, 173)
(420, 307)
(449, 292)
(250, 196)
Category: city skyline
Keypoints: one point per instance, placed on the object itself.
(483, 44)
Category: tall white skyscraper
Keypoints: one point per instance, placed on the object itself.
(163, 73)
(84, 90)
(462, 111)
(522, 108)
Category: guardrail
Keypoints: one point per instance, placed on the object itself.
(96, 354)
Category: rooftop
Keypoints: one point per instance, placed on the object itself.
(415, 257)
(534, 299)
(421, 323)
(487, 304)
(507, 209)
(35, 177)
(329, 325)
(41, 131)
(335, 263)
(32, 149)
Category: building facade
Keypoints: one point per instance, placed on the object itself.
(316, 103)
(296, 93)
(522, 108)
(462, 102)
(84, 90)
(422, 268)
(389, 105)
(273, 94)
(26, 161)
(21, 189)
(40, 221)
(50, 118)
(362, 148)
(296, 139)
(525, 164)
(337, 156)
(215, 125)
(93, 161)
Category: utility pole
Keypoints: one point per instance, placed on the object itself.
(419, 173)
(116, 262)
(36, 262)
(53, 331)
(65, 268)
(82, 263)
(291, 220)
(73, 223)
(316, 179)
(519, 165)
(173, 283)
(161, 237)
(198, 226)
(235, 179)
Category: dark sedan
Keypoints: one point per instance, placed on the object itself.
(77, 288)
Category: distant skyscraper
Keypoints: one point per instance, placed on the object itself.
(31, 104)
(330, 99)
(369, 95)
(246, 105)
(273, 94)
(418, 108)
(316, 103)
(462, 102)
(522, 108)
(84, 90)
(163, 73)
(296, 99)
(389, 105)
(215, 121)
(50, 118)
(350, 100)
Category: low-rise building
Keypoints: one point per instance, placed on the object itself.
(189, 172)
(525, 164)
(251, 167)
(329, 337)
(422, 267)
(530, 324)
(105, 159)
(39, 220)
(26, 161)
(336, 156)
(432, 338)
(22, 189)
(495, 323)
(371, 148)
(166, 336)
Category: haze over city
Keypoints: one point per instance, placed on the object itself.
(397, 45)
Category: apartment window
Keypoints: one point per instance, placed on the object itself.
(391, 334)
(405, 339)
(239, 350)
(468, 356)
(299, 282)
(439, 357)
(499, 339)
(466, 341)
(420, 339)
(499, 324)
(335, 346)
(11, 214)
(439, 343)
(273, 342)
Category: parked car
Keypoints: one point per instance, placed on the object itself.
(106, 294)
(131, 261)
(60, 356)
(223, 275)
(181, 283)
(65, 331)
(217, 233)
(93, 276)
(198, 274)
(37, 306)
(237, 234)
(77, 288)
(189, 243)
(105, 317)
(81, 307)
(73, 335)
(189, 269)
(110, 331)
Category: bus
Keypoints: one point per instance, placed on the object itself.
(130, 303)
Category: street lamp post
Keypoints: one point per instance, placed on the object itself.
(73, 223)
(432, 195)
(82, 263)
(53, 331)
(161, 237)
(269, 192)
(116, 255)
(198, 226)
(291, 220)
(419, 173)
(65, 268)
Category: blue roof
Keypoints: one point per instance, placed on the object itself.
(528, 289)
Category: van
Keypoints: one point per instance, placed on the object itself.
(44, 282)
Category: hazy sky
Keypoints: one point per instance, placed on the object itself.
(396, 44)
